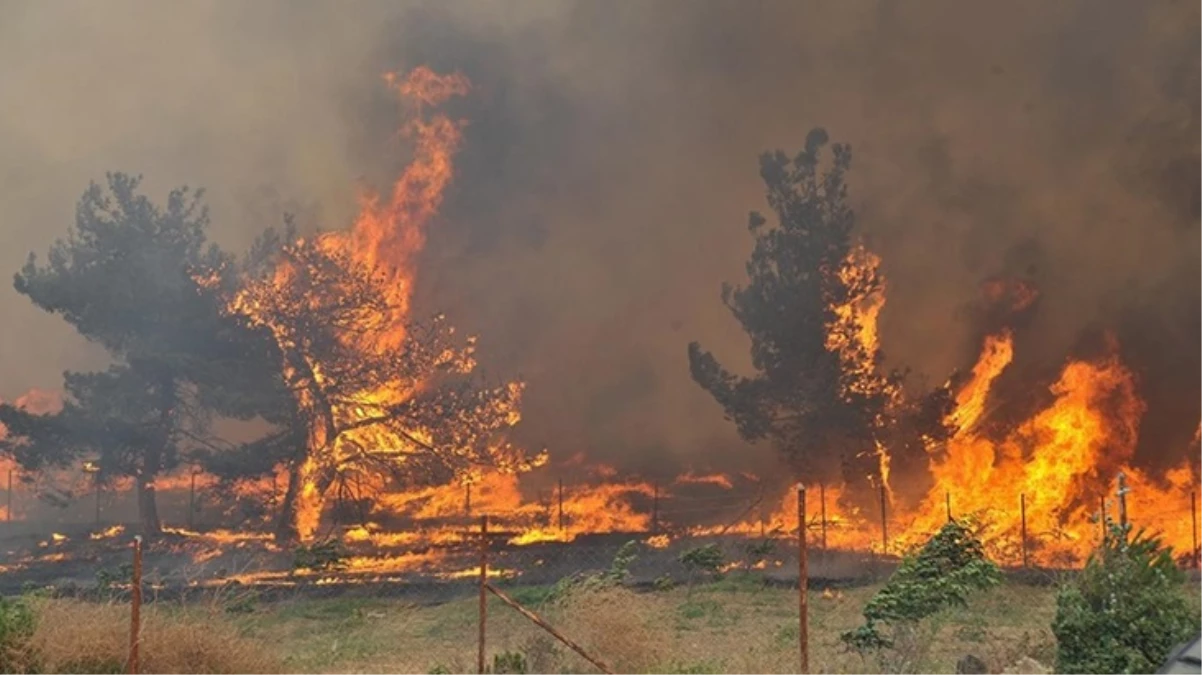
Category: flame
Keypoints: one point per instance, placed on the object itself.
(107, 533)
(717, 479)
(385, 238)
(970, 401)
(853, 332)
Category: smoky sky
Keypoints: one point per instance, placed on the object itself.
(609, 161)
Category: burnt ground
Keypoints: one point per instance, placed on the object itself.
(77, 562)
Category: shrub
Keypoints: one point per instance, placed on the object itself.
(706, 559)
(106, 579)
(944, 572)
(319, 557)
(16, 628)
(618, 572)
(509, 663)
(1125, 611)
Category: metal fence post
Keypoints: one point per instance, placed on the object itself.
(803, 583)
(655, 509)
(822, 514)
(561, 504)
(483, 592)
(135, 608)
(884, 524)
(1193, 515)
(1122, 495)
(1022, 510)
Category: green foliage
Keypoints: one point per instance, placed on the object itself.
(107, 578)
(944, 572)
(509, 663)
(619, 567)
(616, 574)
(323, 556)
(706, 558)
(663, 583)
(125, 278)
(505, 663)
(758, 551)
(1125, 611)
(16, 628)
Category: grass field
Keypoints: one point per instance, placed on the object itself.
(729, 626)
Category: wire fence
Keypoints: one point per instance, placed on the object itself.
(646, 535)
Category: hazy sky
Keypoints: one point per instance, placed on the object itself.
(610, 160)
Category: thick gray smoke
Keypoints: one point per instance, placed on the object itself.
(610, 160)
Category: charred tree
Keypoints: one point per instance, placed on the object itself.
(809, 307)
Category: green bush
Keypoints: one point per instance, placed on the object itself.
(944, 572)
(1125, 611)
(16, 628)
(707, 559)
(618, 572)
(509, 663)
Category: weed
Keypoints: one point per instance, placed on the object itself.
(941, 575)
(1124, 612)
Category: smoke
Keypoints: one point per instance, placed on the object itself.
(610, 160)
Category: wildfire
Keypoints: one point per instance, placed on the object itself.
(1059, 466)
(354, 382)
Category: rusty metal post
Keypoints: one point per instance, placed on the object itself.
(1193, 515)
(822, 513)
(884, 524)
(948, 498)
(655, 508)
(1022, 511)
(483, 592)
(560, 493)
(803, 584)
(1122, 495)
(135, 608)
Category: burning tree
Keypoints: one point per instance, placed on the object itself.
(373, 396)
(372, 400)
(124, 278)
(810, 309)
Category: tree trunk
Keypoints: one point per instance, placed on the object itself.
(148, 509)
(285, 528)
(310, 499)
(152, 462)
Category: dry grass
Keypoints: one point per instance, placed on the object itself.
(730, 626)
(735, 625)
(79, 637)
